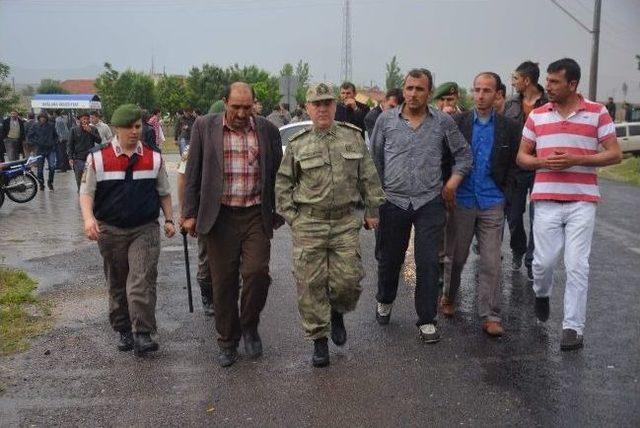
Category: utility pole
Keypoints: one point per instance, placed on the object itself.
(595, 32)
(595, 46)
(347, 61)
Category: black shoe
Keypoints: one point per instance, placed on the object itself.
(227, 356)
(542, 308)
(381, 310)
(320, 353)
(570, 340)
(50, 185)
(126, 341)
(529, 273)
(207, 306)
(338, 332)
(517, 261)
(252, 344)
(142, 344)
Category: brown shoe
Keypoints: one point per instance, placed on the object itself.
(447, 307)
(493, 328)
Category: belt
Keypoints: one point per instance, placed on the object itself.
(325, 213)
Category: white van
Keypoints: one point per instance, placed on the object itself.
(628, 134)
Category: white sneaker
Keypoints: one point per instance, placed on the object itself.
(428, 333)
(384, 309)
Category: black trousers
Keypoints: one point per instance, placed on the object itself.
(392, 240)
(515, 217)
(62, 162)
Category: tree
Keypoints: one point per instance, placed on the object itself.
(265, 86)
(204, 86)
(287, 70)
(302, 71)
(465, 99)
(170, 93)
(28, 91)
(625, 88)
(129, 86)
(49, 86)
(393, 78)
(8, 98)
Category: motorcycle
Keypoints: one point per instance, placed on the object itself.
(18, 181)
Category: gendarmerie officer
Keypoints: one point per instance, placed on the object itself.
(123, 188)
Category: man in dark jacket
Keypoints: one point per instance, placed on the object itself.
(530, 95)
(349, 110)
(82, 139)
(148, 135)
(182, 130)
(392, 98)
(480, 201)
(12, 136)
(44, 137)
(229, 200)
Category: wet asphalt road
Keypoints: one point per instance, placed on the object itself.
(383, 376)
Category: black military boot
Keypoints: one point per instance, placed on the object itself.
(126, 341)
(338, 332)
(320, 353)
(142, 344)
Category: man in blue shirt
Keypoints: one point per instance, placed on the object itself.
(480, 201)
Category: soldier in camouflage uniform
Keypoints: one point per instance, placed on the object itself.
(326, 171)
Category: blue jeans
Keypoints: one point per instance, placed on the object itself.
(51, 163)
(183, 145)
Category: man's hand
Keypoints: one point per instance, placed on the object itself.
(449, 196)
(91, 229)
(169, 230)
(560, 160)
(189, 224)
(71, 163)
(449, 110)
(351, 103)
(371, 223)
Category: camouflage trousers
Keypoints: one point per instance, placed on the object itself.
(328, 269)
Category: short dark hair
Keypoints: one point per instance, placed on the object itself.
(348, 85)
(417, 73)
(503, 89)
(396, 93)
(227, 90)
(155, 111)
(529, 69)
(493, 75)
(31, 115)
(570, 67)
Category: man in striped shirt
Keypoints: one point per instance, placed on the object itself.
(560, 141)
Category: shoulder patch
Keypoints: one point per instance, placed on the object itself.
(349, 125)
(299, 133)
(99, 147)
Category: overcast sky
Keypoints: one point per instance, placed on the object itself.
(455, 39)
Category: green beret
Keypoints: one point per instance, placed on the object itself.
(447, 88)
(126, 115)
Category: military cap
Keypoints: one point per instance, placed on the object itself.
(125, 115)
(319, 92)
(447, 88)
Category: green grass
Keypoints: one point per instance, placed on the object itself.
(22, 314)
(628, 171)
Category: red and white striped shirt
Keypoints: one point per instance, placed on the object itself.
(578, 134)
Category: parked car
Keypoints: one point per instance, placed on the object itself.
(628, 134)
(287, 131)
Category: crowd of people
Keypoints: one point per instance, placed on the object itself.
(450, 174)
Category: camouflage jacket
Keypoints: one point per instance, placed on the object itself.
(329, 169)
